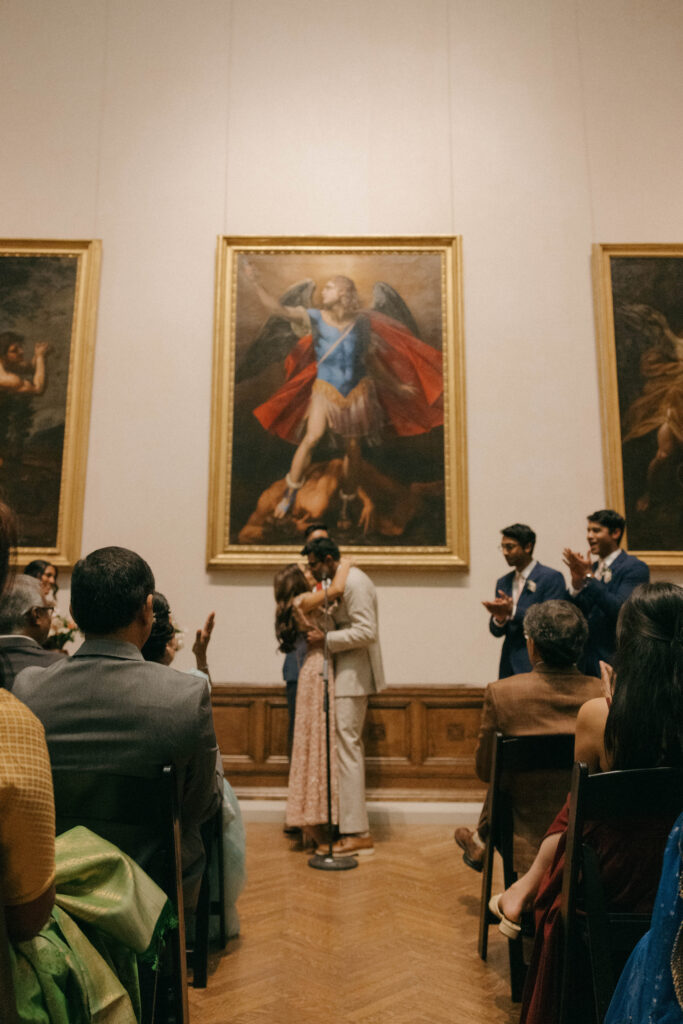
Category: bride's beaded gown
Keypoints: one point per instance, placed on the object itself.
(307, 790)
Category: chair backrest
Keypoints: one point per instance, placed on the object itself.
(516, 755)
(620, 796)
(140, 815)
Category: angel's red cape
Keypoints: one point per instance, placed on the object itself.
(403, 356)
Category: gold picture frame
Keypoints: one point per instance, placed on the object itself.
(49, 292)
(639, 327)
(399, 383)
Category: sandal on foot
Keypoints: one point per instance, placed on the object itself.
(510, 929)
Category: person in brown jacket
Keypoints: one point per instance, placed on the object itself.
(545, 700)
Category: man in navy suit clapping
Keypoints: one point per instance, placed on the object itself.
(528, 583)
(601, 582)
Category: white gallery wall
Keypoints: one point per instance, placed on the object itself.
(533, 128)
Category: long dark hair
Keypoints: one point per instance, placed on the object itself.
(645, 722)
(163, 630)
(287, 584)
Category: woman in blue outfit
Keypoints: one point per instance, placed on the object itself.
(650, 990)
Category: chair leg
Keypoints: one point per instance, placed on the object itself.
(517, 969)
(485, 916)
(200, 948)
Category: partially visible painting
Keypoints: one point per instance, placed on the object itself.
(339, 395)
(48, 304)
(639, 310)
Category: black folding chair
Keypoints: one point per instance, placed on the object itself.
(198, 953)
(513, 755)
(596, 938)
(140, 815)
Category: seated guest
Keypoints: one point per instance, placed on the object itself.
(27, 820)
(45, 573)
(107, 707)
(162, 647)
(641, 727)
(650, 989)
(545, 700)
(49, 885)
(25, 617)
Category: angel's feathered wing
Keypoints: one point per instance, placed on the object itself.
(386, 299)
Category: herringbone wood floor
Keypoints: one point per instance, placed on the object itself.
(392, 942)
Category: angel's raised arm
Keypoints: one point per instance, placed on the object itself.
(296, 314)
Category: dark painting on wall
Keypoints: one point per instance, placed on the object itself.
(47, 317)
(639, 293)
(338, 395)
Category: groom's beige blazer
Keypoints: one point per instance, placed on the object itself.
(354, 643)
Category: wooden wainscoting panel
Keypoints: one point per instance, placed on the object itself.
(419, 741)
(450, 738)
(387, 734)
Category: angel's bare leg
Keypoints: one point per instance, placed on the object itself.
(315, 428)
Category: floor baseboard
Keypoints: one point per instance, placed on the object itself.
(389, 812)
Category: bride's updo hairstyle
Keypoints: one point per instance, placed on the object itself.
(645, 723)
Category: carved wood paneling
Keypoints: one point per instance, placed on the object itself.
(419, 740)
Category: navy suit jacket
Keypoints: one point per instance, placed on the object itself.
(547, 585)
(600, 602)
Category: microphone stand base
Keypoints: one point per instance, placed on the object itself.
(326, 862)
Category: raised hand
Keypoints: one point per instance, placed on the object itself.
(500, 607)
(578, 566)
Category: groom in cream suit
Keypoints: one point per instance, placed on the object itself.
(358, 671)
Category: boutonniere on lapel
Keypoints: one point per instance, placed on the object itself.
(607, 576)
(530, 586)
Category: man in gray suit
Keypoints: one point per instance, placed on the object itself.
(108, 708)
(25, 619)
(358, 671)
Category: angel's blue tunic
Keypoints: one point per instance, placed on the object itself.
(344, 368)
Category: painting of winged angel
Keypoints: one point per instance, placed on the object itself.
(357, 408)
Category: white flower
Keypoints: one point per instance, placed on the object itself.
(531, 586)
(607, 576)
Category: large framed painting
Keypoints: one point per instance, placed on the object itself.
(339, 395)
(639, 313)
(48, 306)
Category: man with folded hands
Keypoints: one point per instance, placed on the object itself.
(545, 700)
(107, 708)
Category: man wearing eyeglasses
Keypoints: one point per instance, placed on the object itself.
(25, 619)
(529, 583)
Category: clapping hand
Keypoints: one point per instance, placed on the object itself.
(578, 566)
(500, 607)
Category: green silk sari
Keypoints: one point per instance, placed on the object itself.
(82, 967)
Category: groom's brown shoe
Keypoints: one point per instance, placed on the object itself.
(355, 846)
